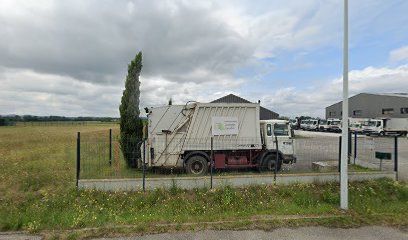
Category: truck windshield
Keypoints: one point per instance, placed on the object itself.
(323, 122)
(369, 123)
(281, 129)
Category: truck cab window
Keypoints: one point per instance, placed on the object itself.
(268, 130)
(281, 130)
(378, 124)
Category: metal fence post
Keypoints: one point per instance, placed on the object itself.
(276, 160)
(355, 147)
(349, 145)
(211, 162)
(143, 165)
(78, 160)
(396, 156)
(339, 154)
(110, 147)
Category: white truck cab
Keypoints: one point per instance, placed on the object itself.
(323, 125)
(280, 130)
(304, 123)
(334, 125)
(374, 126)
(313, 124)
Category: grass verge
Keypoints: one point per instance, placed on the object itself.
(373, 202)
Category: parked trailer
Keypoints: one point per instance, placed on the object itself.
(386, 126)
(180, 137)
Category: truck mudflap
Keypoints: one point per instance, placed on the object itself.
(288, 159)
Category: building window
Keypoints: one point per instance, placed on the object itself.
(332, 114)
(387, 111)
(404, 110)
(357, 112)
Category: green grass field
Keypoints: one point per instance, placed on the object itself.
(37, 193)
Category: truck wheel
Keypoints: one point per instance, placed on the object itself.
(197, 165)
(269, 163)
(381, 134)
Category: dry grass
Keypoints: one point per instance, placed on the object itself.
(37, 158)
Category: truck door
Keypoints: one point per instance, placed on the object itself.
(285, 142)
(268, 136)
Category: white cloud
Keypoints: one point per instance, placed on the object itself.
(30, 92)
(295, 102)
(399, 54)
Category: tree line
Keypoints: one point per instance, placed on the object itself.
(33, 118)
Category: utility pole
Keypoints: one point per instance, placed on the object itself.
(344, 131)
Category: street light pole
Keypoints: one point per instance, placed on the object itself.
(344, 144)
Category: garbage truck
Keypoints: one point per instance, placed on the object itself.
(232, 134)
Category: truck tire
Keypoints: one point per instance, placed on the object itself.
(381, 133)
(197, 165)
(269, 163)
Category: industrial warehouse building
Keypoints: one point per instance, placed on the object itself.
(367, 105)
(264, 113)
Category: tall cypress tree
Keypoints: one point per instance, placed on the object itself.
(131, 126)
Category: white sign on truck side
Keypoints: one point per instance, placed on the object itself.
(224, 126)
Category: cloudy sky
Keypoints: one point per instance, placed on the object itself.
(70, 57)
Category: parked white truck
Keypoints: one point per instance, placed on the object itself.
(313, 125)
(179, 136)
(356, 125)
(334, 125)
(304, 123)
(323, 125)
(386, 126)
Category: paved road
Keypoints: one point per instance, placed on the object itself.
(304, 233)
(18, 236)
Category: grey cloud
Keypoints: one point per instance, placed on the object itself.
(70, 57)
(94, 40)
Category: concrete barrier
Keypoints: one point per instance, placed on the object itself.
(135, 184)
